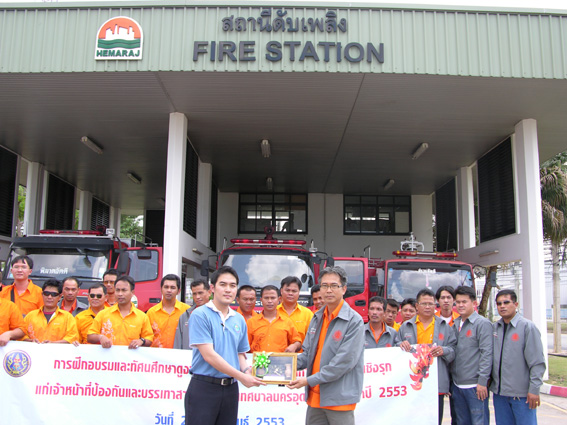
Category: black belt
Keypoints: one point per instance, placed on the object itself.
(219, 381)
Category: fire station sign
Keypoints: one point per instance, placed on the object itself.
(326, 40)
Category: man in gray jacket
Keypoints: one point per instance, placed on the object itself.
(69, 301)
(518, 364)
(333, 353)
(426, 328)
(201, 293)
(376, 333)
(473, 361)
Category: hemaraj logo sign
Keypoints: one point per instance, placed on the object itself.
(119, 38)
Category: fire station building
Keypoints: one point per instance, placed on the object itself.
(347, 125)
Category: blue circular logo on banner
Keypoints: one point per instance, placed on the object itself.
(17, 363)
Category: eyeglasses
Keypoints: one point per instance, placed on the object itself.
(333, 286)
(50, 294)
(108, 281)
(427, 305)
(99, 296)
(499, 303)
(20, 267)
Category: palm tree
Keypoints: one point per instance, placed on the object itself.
(553, 182)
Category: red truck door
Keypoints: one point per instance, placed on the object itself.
(357, 293)
(145, 266)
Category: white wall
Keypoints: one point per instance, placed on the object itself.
(325, 226)
(227, 217)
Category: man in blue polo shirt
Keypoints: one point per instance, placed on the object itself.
(219, 339)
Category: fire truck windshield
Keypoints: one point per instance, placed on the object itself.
(260, 270)
(61, 263)
(405, 279)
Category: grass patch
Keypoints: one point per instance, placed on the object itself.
(557, 371)
(563, 327)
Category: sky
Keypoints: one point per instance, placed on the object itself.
(530, 4)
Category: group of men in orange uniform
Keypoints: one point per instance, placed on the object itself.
(282, 324)
(471, 350)
(53, 314)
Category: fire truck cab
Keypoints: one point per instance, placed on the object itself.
(412, 270)
(86, 255)
(403, 276)
(262, 262)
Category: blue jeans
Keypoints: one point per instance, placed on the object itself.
(470, 410)
(513, 410)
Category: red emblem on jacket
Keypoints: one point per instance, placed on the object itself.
(337, 335)
(469, 333)
(515, 337)
(441, 337)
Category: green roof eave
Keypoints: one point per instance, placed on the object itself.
(278, 4)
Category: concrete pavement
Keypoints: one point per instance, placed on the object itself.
(553, 411)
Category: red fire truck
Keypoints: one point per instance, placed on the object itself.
(86, 255)
(401, 277)
(262, 262)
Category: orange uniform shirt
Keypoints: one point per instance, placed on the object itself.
(10, 316)
(454, 315)
(274, 336)
(424, 335)
(61, 326)
(254, 313)
(397, 326)
(122, 330)
(84, 321)
(300, 317)
(314, 397)
(378, 333)
(62, 306)
(164, 324)
(30, 300)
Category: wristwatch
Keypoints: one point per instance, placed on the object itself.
(143, 341)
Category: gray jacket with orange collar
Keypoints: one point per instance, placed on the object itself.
(388, 339)
(341, 374)
(443, 335)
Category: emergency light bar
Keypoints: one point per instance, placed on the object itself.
(267, 242)
(71, 232)
(425, 254)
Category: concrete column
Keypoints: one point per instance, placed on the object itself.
(465, 208)
(34, 198)
(85, 209)
(114, 222)
(530, 224)
(422, 211)
(174, 193)
(204, 203)
(15, 208)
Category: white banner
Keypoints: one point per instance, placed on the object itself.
(53, 383)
